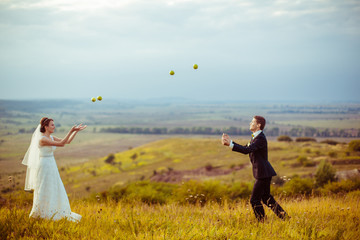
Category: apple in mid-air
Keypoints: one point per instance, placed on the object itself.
(99, 98)
(172, 72)
(195, 66)
(93, 99)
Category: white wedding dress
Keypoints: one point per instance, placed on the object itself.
(50, 198)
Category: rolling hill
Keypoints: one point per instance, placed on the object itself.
(181, 159)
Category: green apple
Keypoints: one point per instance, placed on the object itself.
(172, 72)
(195, 66)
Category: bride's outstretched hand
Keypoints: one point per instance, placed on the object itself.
(80, 127)
(73, 129)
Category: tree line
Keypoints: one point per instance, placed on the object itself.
(319, 132)
(293, 132)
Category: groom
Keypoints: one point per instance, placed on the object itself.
(262, 169)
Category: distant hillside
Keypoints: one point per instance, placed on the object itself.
(35, 105)
(179, 155)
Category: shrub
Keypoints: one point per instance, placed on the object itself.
(301, 159)
(144, 191)
(110, 158)
(277, 180)
(298, 186)
(354, 146)
(150, 192)
(305, 139)
(304, 161)
(240, 190)
(209, 167)
(307, 150)
(284, 138)
(332, 154)
(214, 191)
(343, 186)
(15, 199)
(200, 192)
(309, 163)
(354, 194)
(325, 173)
(190, 192)
(317, 152)
(330, 142)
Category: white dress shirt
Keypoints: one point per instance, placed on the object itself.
(254, 135)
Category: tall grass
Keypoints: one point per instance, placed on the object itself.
(331, 217)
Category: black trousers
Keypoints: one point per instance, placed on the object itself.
(261, 193)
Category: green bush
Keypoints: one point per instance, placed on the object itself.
(114, 193)
(110, 158)
(307, 150)
(199, 193)
(343, 186)
(354, 194)
(144, 191)
(305, 139)
(325, 173)
(186, 193)
(284, 138)
(298, 186)
(195, 192)
(309, 163)
(239, 190)
(330, 142)
(277, 180)
(304, 161)
(150, 192)
(16, 198)
(301, 159)
(332, 154)
(354, 146)
(214, 191)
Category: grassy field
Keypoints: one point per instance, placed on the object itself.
(192, 153)
(85, 172)
(86, 147)
(330, 217)
(83, 168)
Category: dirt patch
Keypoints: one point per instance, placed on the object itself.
(348, 174)
(173, 176)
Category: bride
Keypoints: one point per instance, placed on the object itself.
(42, 175)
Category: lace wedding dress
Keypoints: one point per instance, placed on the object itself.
(50, 198)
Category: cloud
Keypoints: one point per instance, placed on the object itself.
(264, 41)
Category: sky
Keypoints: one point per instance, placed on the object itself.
(283, 50)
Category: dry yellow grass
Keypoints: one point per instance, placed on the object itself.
(336, 217)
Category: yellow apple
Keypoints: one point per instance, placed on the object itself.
(195, 66)
(172, 72)
(99, 98)
(93, 99)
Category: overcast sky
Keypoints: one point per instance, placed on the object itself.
(246, 50)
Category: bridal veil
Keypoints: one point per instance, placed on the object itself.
(32, 159)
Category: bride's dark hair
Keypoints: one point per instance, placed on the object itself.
(44, 122)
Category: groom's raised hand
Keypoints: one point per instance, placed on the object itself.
(225, 139)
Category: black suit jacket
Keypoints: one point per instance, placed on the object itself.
(258, 153)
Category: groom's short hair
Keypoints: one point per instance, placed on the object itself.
(260, 120)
